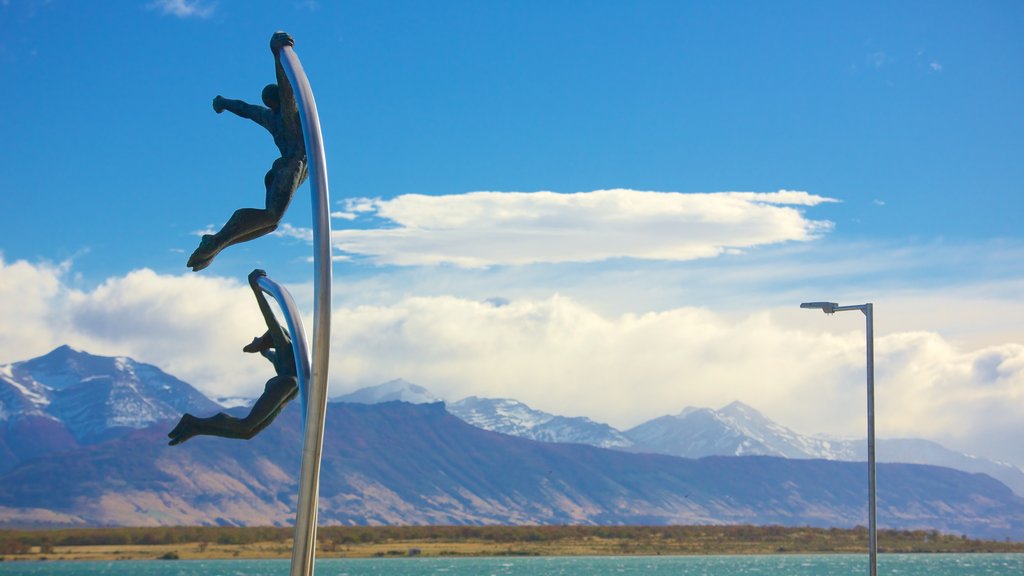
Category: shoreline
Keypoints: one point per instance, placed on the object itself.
(210, 543)
(164, 552)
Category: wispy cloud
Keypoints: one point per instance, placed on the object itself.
(879, 59)
(482, 229)
(286, 230)
(184, 8)
(935, 66)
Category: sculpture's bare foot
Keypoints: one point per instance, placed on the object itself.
(183, 431)
(204, 254)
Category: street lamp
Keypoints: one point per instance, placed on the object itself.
(831, 308)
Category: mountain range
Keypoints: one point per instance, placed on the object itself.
(734, 430)
(104, 461)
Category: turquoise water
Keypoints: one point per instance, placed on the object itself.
(831, 565)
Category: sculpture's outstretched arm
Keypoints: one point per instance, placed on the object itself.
(258, 114)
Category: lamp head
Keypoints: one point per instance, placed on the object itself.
(826, 307)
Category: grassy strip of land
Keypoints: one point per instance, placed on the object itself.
(390, 541)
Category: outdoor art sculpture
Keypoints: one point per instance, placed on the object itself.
(280, 117)
(276, 346)
(291, 118)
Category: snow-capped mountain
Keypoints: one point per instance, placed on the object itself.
(739, 430)
(735, 430)
(93, 396)
(517, 419)
(390, 391)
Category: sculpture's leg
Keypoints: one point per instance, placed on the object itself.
(278, 392)
(245, 224)
(221, 424)
(281, 181)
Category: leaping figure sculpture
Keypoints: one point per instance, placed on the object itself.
(291, 117)
(277, 346)
(280, 116)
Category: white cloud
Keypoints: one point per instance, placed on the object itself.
(360, 204)
(194, 326)
(184, 8)
(191, 326)
(935, 65)
(28, 293)
(481, 229)
(561, 356)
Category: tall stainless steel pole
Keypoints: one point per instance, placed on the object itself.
(304, 549)
(868, 310)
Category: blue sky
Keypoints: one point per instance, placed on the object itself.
(524, 187)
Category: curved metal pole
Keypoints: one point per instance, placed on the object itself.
(294, 322)
(304, 548)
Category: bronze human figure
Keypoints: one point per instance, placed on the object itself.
(280, 117)
(276, 346)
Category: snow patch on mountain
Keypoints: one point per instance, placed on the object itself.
(124, 364)
(33, 391)
(393, 390)
(517, 419)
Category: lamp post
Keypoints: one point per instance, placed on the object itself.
(867, 309)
